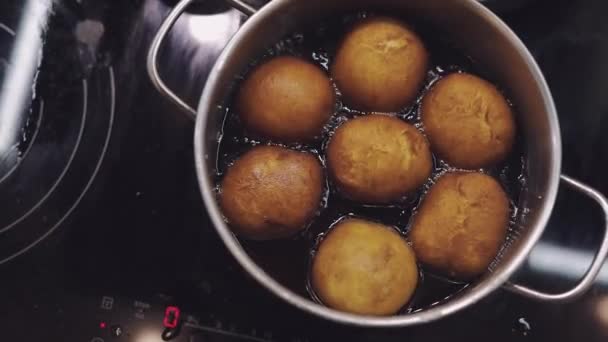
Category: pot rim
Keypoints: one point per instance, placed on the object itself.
(427, 315)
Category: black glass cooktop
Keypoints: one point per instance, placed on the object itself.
(102, 227)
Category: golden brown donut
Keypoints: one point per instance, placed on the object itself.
(468, 121)
(378, 158)
(380, 65)
(286, 99)
(271, 192)
(461, 224)
(364, 267)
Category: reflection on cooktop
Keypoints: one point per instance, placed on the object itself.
(16, 97)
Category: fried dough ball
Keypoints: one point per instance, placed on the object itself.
(380, 65)
(271, 192)
(364, 267)
(377, 158)
(461, 224)
(468, 121)
(286, 99)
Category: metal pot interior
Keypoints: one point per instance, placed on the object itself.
(482, 36)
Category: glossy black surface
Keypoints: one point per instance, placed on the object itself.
(126, 220)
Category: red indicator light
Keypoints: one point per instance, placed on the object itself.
(171, 317)
(102, 325)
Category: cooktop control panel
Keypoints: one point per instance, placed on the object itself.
(112, 318)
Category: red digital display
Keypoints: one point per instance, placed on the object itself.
(102, 325)
(171, 317)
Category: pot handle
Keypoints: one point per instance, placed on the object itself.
(165, 27)
(243, 6)
(587, 281)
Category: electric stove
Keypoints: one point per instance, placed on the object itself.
(103, 233)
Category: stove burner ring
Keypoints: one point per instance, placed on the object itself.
(7, 29)
(58, 166)
(43, 234)
(65, 169)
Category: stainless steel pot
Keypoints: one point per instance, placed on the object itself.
(483, 36)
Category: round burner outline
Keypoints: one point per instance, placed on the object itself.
(7, 29)
(88, 184)
(66, 167)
